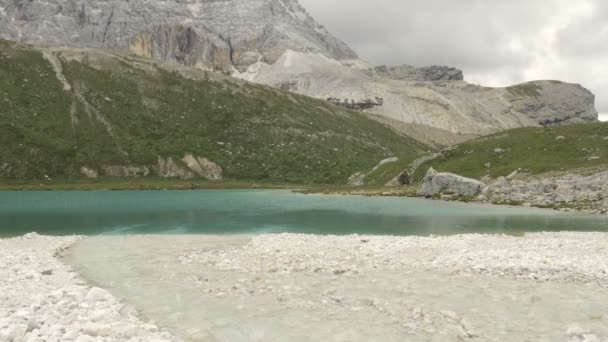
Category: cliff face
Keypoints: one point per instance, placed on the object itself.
(215, 33)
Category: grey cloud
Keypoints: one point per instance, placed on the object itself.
(586, 38)
(495, 42)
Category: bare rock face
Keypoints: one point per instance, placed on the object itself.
(565, 191)
(433, 96)
(193, 32)
(125, 171)
(188, 167)
(203, 167)
(448, 183)
(89, 172)
(424, 74)
(551, 103)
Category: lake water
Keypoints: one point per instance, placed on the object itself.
(265, 211)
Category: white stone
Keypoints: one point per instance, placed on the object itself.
(96, 294)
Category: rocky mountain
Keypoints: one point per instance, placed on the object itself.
(213, 33)
(68, 113)
(432, 96)
(277, 43)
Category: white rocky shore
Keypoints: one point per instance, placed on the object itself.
(534, 287)
(42, 299)
(539, 257)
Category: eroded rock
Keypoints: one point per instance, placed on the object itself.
(435, 183)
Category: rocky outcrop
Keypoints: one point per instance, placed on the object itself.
(433, 97)
(125, 171)
(425, 74)
(357, 179)
(568, 191)
(192, 167)
(363, 104)
(179, 44)
(199, 32)
(189, 167)
(167, 168)
(435, 183)
(550, 103)
(89, 172)
(203, 167)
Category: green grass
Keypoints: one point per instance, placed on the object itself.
(386, 172)
(536, 149)
(148, 183)
(525, 89)
(402, 191)
(255, 133)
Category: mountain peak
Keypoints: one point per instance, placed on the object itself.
(212, 33)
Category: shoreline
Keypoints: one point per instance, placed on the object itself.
(39, 304)
(42, 298)
(365, 191)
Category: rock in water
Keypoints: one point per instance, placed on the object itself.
(448, 183)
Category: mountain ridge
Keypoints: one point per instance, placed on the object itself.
(277, 43)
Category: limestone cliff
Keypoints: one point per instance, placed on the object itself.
(193, 32)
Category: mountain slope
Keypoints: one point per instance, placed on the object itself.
(538, 150)
(71, 113)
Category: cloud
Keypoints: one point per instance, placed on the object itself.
(495, 42)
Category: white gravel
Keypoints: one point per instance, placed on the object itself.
(570, 257)
(539, 287)
(42, 299)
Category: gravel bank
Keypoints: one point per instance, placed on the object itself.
(42, 299)
(289, 287)
(568, 257)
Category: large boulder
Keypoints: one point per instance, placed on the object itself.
(435, 183)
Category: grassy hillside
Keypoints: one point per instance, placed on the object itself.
(540, 150)
(123, 110)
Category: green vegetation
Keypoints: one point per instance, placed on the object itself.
(539, 150)
(525, 89)
(147, 183)
(123, 110)
(402, 191)
(386, 172)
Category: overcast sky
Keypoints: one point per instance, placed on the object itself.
(495, 42)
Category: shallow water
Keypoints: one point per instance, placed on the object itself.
(200, 303)
(266, 211)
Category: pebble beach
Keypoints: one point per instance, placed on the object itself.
(536, 287)
(42, 299)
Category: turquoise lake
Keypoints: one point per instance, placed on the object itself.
(266, 211)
